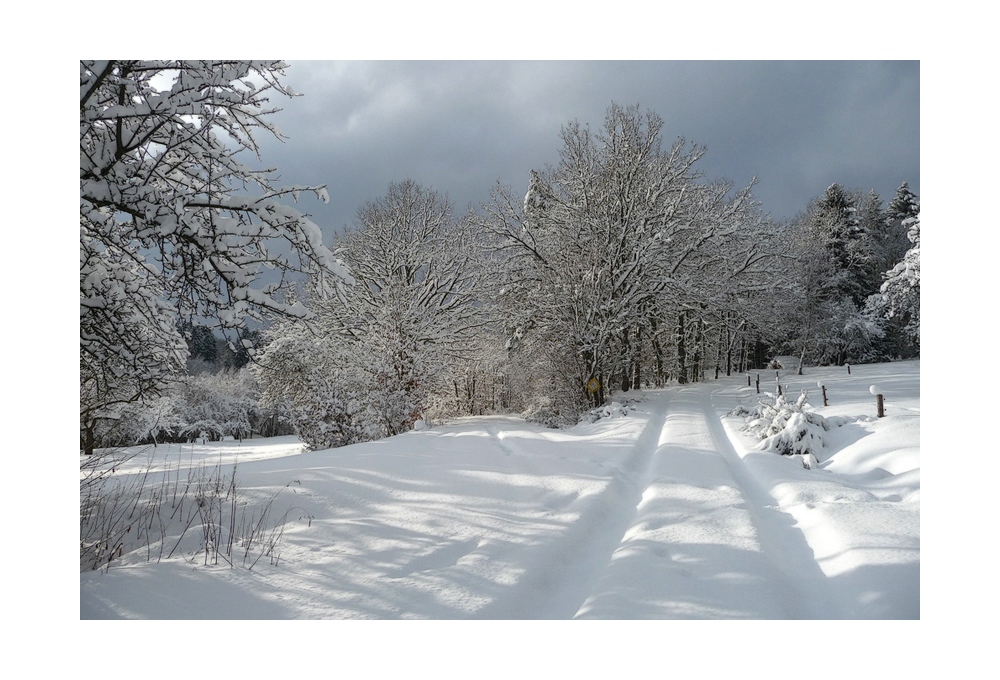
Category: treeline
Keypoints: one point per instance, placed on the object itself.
(621, 267)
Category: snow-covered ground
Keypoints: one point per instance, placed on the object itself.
(666, 512)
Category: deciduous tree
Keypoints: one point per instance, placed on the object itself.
(172, 224)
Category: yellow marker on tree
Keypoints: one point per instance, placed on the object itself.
(593, 385)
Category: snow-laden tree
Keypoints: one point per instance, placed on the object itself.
(723, 296)
(820, 321)
(833, 221)
(899, 297)
(905, 205)
(307, 375)
(172, 223)
(585, 247)
(129, 343)
(418, 271)
(398, 338)
(616, 256)
(415, 312)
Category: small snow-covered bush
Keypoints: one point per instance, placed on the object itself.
(787, 428)
(327, 419)
(740, 411)
(612, 410)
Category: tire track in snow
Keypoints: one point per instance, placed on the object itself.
(558, 579)
(703, 541)
(785, 545)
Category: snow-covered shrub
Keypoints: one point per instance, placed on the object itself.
(341, 391)
(740, 411)
(219, 404)
(612, 410)
(328, 418)
(395, 378)
(787, 428)
(150, 420)
(313, 382)
(545, 411)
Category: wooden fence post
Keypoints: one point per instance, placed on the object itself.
(879, 401)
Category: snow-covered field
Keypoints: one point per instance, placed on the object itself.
(666, 512)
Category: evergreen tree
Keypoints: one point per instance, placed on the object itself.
(874, 224)
(898, 300)
(904, 205)
(834, 222)
(835, 250)
(202, 344)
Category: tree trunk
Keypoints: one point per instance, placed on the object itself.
(88, 438)
(699, 339)
(626, 361)
(729, 351)
(681, 351)
(657, 353)
(718, 353)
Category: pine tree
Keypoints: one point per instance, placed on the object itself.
(202, 344)
(833, 281)
(833, 219)
(898, 300)
(904, 205)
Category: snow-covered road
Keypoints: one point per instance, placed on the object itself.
(666, 513)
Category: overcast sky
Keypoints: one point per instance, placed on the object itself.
(461, 126)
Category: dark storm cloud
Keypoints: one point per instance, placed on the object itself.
(462, 126)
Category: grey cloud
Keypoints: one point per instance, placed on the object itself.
(462, 126)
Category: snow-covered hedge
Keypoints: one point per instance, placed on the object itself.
(787, 428)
